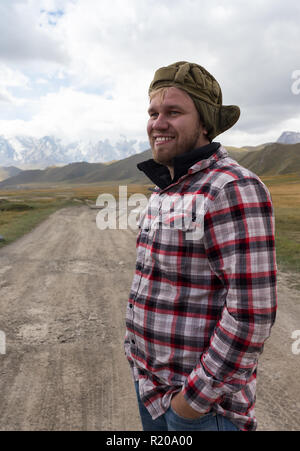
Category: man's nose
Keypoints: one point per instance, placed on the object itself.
(160, 123)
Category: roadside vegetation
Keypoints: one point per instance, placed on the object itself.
(18, 217)
(23, 209)
(285, 192)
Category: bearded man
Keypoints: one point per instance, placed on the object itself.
(203, 298)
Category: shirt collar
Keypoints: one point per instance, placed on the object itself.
(160, 174)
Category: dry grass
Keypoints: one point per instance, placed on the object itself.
(285, 191)
(38, 203)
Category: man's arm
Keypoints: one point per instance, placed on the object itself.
(239, 242)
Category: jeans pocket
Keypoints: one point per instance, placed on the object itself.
(176, 422)
(190, 420)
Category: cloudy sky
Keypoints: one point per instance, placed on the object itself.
(80, 69)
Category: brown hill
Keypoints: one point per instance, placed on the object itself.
(267, 159)
(7, 172)
(273, 159)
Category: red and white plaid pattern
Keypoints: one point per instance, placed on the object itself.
(202, 305)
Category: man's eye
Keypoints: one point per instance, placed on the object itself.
(153, 115)
(174, 113)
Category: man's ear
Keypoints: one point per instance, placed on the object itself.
(204, 130)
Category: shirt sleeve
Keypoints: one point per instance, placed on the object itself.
(240, 247)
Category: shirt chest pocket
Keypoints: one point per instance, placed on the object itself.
(171, 240)
(170, 229)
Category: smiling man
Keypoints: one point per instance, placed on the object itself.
(174, 127)
(201, 304)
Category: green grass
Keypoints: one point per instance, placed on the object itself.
(288, 238)
(24, 209)
(17, 219)
(285, 192)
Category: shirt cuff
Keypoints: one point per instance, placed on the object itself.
(200, 394)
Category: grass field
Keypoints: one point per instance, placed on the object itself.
(285, 192)
(23, 209)
(19, 216)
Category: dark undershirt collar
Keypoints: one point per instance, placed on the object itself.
(160, 174)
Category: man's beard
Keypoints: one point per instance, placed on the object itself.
(186, 146)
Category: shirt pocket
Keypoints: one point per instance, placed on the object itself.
(184, 214)
(170, 241)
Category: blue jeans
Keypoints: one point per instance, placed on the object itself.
(171, 421)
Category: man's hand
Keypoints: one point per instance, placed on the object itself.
(180, 406)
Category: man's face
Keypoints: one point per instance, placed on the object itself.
(174, 126)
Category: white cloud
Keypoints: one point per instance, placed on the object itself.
(72, 115)
(11, 77)
(87, 64)
(22, 36)
(75, 114)
(5, 96)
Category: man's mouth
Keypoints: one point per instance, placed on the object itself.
(163, 139)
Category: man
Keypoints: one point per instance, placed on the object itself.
(203, 297)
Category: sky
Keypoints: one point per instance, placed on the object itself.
(80, 69)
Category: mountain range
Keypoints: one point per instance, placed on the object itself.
(10, 171)
(27, 152)
(289, 138)
(265, 159)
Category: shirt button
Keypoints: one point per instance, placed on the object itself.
(131, 305)
(133, 342)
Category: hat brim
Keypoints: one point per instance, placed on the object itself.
(228, 116)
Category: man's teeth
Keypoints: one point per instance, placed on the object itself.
(163, 138)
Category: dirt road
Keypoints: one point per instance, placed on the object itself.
(64, 290)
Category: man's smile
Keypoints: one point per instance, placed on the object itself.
(162, 139)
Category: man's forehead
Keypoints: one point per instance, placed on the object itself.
(170, 96)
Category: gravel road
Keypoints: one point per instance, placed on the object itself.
(64, 290)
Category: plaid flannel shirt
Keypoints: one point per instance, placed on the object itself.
(203, 298)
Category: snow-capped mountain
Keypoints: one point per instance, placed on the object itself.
(289, 138)
(30, 152)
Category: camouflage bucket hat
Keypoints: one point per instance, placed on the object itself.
(204, 90)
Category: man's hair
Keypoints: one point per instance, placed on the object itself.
(161, 92)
